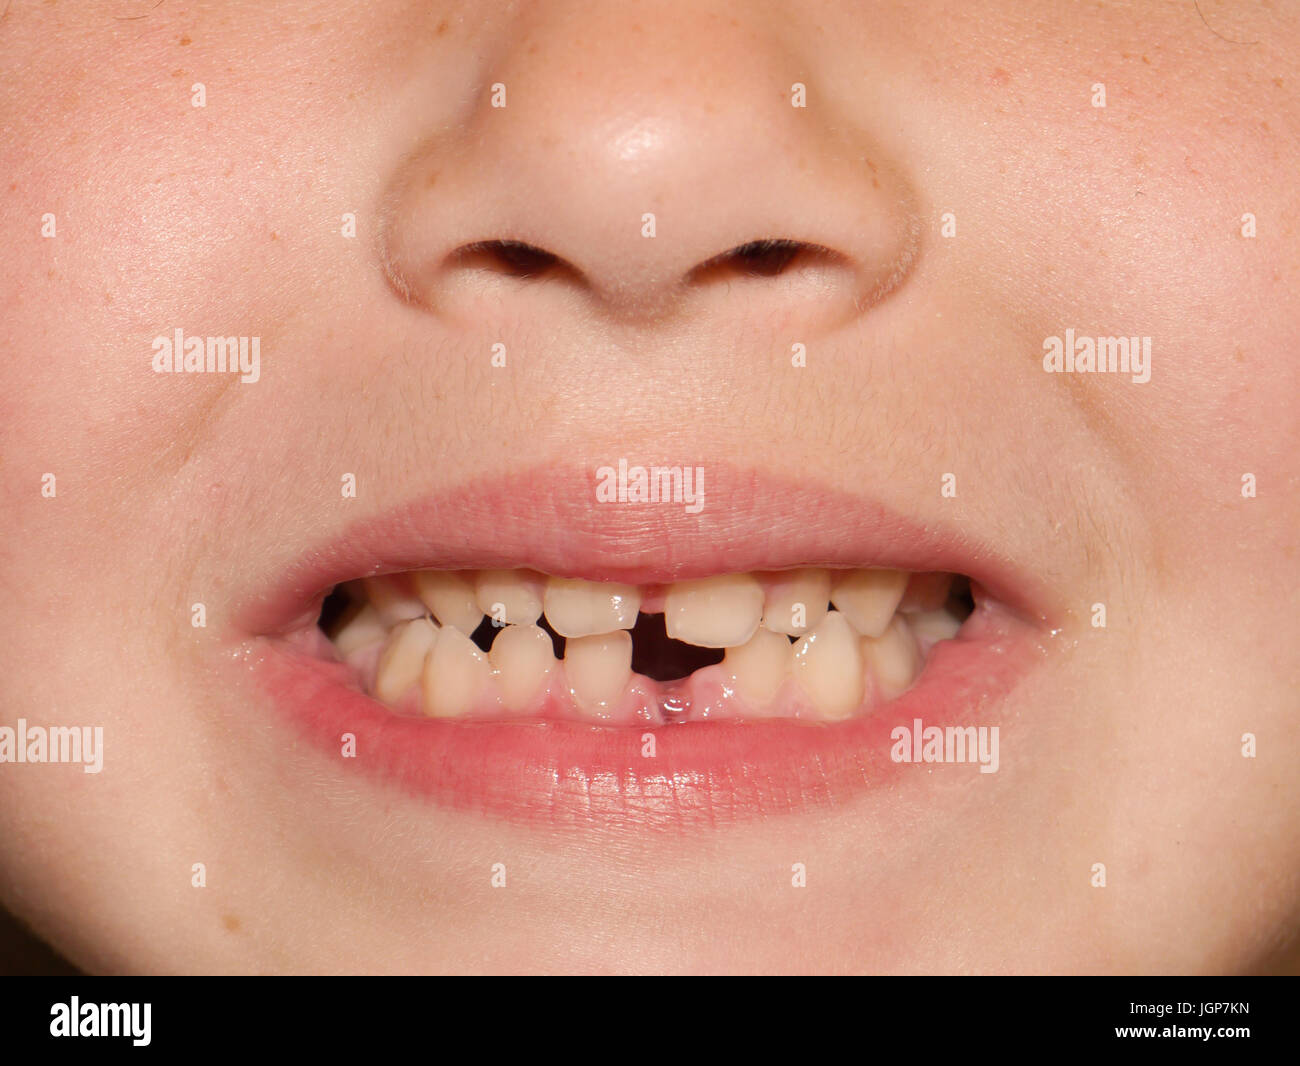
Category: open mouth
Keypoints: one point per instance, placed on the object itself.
(812, 644)
(512, 648)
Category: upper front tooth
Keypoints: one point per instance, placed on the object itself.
(893, 658)
(796, 600)
(828, 666)
(455, 674)
(510, 596)
(391, 600)
(402, 663)
(359, 628)
(450, 596)
(577, 608)
(598, 668)
(714, 612)
(868, 598)
(760, 666)
(523, 658)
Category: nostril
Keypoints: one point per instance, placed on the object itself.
(766, 258)
(515, 258)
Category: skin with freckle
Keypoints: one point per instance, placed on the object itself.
(962, 197)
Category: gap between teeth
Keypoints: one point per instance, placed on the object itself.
(812, 643)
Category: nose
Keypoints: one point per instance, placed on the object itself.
(646, 158)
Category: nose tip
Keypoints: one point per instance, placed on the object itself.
(641, 174)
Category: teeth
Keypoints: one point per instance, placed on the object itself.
(598, 668)
(796, 592)
(523, 659)
(714, 612)
(931, 627)
(873, 643)
(893, 659)
(518, 592)
(403, 660)
(455, 674)
(586, 608)
(828, 666)
(391, 601)
(926, 592)
(450, 597)
(359, 628)
(759, 666)
(868, 598)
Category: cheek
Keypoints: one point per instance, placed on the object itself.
(1162, 215)
(134, 213)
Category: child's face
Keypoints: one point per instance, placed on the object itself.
(969, 200)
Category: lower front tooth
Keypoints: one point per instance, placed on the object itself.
(455, 674)
(868, 598)
(523, 658)
(402, 663)
(795, 601)
(759, 666)
(828, 667)
(714, 612)
(359, 628)
(450, 596)
(892, 658)
(598, 668)
(511, 597)
(391, 601)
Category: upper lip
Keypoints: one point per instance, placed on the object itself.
(548, 519)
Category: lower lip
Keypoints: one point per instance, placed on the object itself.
(706, 773)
